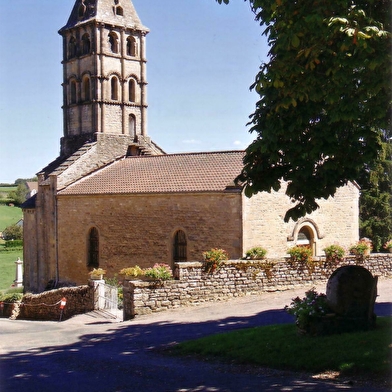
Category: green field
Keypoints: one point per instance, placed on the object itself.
(5, 190)
(7, 266)
(9, 216)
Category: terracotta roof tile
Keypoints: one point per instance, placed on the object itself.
(191, 172)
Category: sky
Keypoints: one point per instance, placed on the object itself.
(202, 59)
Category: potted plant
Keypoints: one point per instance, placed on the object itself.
(361, 249)
(300, 254)
(388, 246)
(97, 273)
(132, 272)
(256, 253)
(334, 254)
(159, 272)
(213, 259)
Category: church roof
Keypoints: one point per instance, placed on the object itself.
(118, 13)
(172, 173)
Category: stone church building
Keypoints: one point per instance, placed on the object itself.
(114, 199)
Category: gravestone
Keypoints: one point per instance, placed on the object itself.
(351, 294)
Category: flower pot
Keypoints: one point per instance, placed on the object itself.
(96, 277)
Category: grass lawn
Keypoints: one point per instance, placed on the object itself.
(7, 266)
(9, 216)
(364, 354)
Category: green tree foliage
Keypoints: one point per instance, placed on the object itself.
(376, 199)
(13, 232)
(325, 97)
(20, 195)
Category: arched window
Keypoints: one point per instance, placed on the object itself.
(119, 11)
(305, 237)
(113, 42)
(93, 249)
(73, 91)
(114, 88)
(179, 247)
(132, 90)
(72, 48)
(81, 10)
(131, 46)
(86, 89)
(86, 44)
(132, 125)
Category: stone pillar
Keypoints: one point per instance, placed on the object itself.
(19, 273)
(99, 293)
(128, 300)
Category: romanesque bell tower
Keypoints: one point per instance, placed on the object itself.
(104, 74)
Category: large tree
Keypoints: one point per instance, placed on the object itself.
(325, 97)
(376, 199)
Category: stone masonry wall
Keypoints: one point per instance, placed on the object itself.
(233, 279)
(46, 306)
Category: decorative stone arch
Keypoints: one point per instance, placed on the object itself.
(179, 246)
(93, 252)
(306, 232)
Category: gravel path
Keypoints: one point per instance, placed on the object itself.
(89, 352)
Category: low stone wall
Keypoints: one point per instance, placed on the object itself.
(234, 278)
(46, 305)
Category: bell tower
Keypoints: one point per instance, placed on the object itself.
(104, 74)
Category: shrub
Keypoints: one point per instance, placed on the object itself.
(334, 254)
(159, 272)
(256, 253)
(213, 259)
(13, 244)
(13, 232)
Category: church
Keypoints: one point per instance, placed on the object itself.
(114, 199)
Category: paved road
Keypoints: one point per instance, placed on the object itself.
(89, 352)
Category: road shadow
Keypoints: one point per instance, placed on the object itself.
(127, 357)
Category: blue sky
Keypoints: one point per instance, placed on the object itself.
(202, 58)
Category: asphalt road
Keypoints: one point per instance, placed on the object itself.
(89, 352)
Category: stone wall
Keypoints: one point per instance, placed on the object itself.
(234, 278)
(46, 306)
